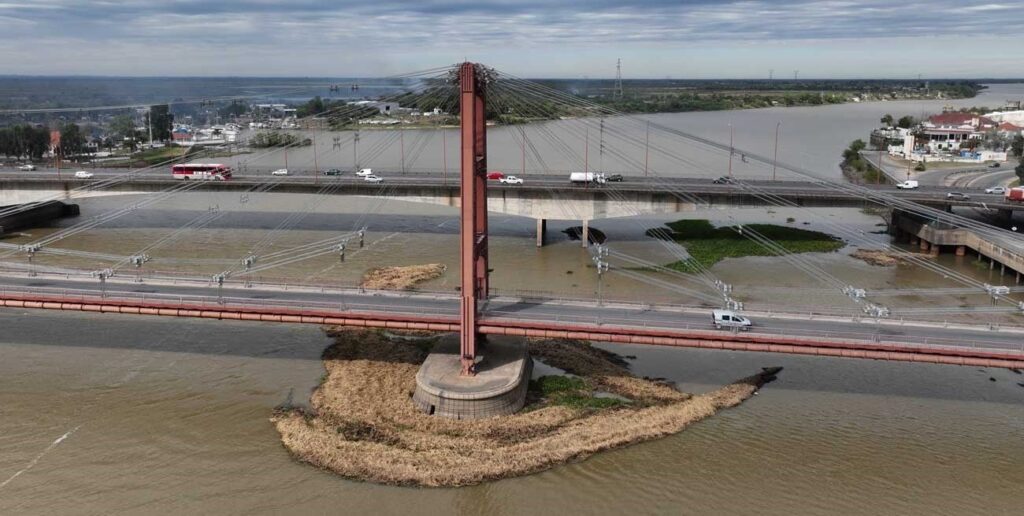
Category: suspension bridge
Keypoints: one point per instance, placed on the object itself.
(665, 170)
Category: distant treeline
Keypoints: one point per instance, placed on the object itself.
(33, 142)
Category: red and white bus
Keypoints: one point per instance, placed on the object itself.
(207, 171)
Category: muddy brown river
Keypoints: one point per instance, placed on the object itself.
(104, 414)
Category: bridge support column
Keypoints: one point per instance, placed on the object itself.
(961, 250)
(924, 245)
(473, 212)
(542, 232)
(913, 240)
(936, 248)
(585, 234)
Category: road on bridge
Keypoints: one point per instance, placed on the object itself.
(577, 312)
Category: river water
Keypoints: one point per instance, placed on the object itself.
(115, 414)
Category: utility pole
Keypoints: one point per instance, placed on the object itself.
(149, 122)
(618, 80)
(355, 151)
(401, 137)
(796, 75)
(522, 168)
(647, 147)
(771, 75)
(444, 155)
(775, 161)
(316, 166)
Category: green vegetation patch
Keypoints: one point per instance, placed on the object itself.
(570, 391)
(707, 245)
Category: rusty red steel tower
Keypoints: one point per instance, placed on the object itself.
(473, 241)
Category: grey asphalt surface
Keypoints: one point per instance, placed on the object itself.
(930, 194)
(1008, 339)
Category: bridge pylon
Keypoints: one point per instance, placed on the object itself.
(473, 232)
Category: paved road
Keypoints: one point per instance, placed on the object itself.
(934, 195)
(446, 305)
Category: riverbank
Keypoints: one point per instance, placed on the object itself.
(362, 423)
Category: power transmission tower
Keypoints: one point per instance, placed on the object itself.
(618, 80)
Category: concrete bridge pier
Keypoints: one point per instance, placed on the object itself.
(542, 232)
(585, 234)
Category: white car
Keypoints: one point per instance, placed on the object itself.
(996, 190)
(373, 179)
(280, 172)
(365, 172)
(27, 168)
(82, 174)
(511, 180)
(729, 319)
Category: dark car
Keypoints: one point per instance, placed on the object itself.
(332, 172)
(957, 196)
(614, 177)
(724, 181)
(994, 165)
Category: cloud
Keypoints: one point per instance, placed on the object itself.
(391, 29)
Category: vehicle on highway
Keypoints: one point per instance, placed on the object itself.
(958, 196)
(280, 172)
(204, 171)
(729, 319)
(909, 184)
(996, 190)
(332, 172)
(83, 174)
(27, 167)
(373, 179)
(994, 165)
(1015, 194)
(587, 177)
(364, 172)
(494, 175)
(724, 181)
(511, 180)
(616, 178)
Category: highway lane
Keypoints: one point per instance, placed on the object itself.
(446, 305)
(935, 195)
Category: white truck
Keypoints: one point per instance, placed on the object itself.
(587, 177)
(909, 184)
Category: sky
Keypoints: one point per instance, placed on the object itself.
(529, 38)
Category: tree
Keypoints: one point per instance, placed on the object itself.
(315, 106)
(887, 120)
(162, 121)
(906, 122)
(122, 126)
(1020, 171)
(235, 108)
(72, 141)
(1017, 147)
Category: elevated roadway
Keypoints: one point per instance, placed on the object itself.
(638, 324)
(540, 197)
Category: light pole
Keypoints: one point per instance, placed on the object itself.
(731, 149)
(775, 162)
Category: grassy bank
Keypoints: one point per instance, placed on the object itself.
(707, 245)
(363, 424)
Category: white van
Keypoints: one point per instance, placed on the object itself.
(729, 319)
(909, 184)
(365, 172)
